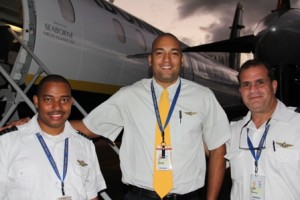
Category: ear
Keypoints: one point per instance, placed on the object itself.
(274, 85)
(149, 60)
(36, 101)
(72, 100)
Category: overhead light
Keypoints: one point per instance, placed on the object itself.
(273, 28)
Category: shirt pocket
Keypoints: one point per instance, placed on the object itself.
(285, 162)
(81, 173)
(78, 180)
(22, 177)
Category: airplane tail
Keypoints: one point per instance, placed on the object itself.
(237, 25)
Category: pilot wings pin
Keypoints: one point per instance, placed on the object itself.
(190, 113)
(82, 163)
(284, 144)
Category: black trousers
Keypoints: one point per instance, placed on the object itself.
(135, 194)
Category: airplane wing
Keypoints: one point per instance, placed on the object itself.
(244, 44)
(141, 55)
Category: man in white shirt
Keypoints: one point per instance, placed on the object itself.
(264, 150)
(196, 120)
(46, 158)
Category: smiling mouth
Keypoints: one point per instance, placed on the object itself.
(166, 67)
(56, 115)
(255, 97)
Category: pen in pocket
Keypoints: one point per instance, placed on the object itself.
(180, 116)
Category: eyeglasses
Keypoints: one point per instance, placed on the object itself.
(244, 145)
(244, 140)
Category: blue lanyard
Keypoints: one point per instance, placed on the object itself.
(256, 155)
(52, 162)
(161, 127)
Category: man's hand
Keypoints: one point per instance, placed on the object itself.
(80, 126)
(15, 123)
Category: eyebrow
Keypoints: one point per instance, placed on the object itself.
(173, 49)
(49, 95)
(260, 79)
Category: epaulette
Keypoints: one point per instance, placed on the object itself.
(8, 130)
(297, 110)
(83, 135)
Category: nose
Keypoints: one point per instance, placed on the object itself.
(253, 87)
(166, 57)
(56, 105)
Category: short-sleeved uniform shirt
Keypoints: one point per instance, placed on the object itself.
(279, 162)
(27, 174)
(202, 120)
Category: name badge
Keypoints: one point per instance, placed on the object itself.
(163, 163)
(257, 187)
(65, 198)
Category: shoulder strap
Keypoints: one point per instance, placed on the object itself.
(83, 135)
(8, 130)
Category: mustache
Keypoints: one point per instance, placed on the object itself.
(56, 112)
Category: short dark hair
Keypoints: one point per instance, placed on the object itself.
(52, 78)
(254, 63)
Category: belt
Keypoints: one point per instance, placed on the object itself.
(171, 196)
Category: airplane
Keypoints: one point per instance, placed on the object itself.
(90, 43)
(275, 41)
(93, 43)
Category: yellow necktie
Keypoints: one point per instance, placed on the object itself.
(162, 179)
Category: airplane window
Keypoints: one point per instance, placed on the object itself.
(120, 31)
(141, 40)
(67, 10)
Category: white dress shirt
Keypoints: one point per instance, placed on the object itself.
(202, 120)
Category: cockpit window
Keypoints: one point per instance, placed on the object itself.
(67, 10)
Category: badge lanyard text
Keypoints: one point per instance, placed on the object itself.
(259, 149)
(52, 162)
(161, 127)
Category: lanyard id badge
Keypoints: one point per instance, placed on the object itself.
(163, 162)
(65, 198)
(161, 157)
(257, 187)
(53, 163)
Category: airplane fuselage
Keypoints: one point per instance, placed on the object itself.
(89, 41)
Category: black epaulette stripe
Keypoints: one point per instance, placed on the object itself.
(83, 135)
(8, 130)
(297, 110)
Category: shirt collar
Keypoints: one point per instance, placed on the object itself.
(32, 127)
(171, 89)
(279, 114)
